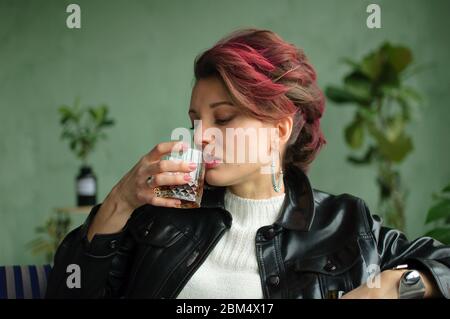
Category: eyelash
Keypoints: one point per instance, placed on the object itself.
(224, 121)
(219, 122)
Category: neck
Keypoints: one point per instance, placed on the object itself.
(259, 187)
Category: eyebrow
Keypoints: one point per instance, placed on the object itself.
(215, 104)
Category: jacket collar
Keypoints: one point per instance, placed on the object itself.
(297, 210)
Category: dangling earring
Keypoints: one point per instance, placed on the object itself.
(276, 184)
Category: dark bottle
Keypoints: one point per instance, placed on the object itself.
(86, 185)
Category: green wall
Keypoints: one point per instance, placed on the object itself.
(137, 57)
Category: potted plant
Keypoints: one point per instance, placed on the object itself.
(83, 127)
(50, 235)
(439, 215)
(384, 105)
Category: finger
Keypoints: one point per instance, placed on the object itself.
(169, 179)
(165, 148)
(151, 198)
(172, 166)
(165, 202)
(160, 167)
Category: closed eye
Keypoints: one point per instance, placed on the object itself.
(224, 121)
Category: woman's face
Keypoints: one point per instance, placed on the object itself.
(236, 153)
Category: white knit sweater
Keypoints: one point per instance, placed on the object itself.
(231, 269)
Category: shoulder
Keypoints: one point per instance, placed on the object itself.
(349, 210)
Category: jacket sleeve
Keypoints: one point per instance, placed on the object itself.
(94, 269)
(424, 254)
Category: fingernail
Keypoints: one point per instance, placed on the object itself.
(187, 177)
(193, 165)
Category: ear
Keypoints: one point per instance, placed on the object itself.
(284, 127)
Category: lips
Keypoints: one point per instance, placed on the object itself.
(212, 164)
(211, 161)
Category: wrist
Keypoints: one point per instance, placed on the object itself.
(116, 204)
(111, 217)
(394, 276)
(418, 281)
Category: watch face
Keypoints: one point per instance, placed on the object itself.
(411, 286)
(411, 277)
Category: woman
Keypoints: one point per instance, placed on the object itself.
(256, 235)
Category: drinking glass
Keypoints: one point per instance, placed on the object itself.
(190, 193)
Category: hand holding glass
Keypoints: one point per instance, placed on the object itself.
(190, 194)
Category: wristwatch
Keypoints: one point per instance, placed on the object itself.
(411, 285)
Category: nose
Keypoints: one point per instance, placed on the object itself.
(200, 138)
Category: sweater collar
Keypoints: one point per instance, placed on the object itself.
(297, 210)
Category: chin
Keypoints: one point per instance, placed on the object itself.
(216, 177)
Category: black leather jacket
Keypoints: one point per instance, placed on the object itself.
(322, 244)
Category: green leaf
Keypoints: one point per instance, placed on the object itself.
(389, 76)
(365, 159)
(395, 126)
(439, 211)
(371, 65)
(69, 114)
(40, 229)
(45, 247)
(93, 114)
(342, 95)
(73, 145)
(399, 57)
(99, 114)
(405, 97)
(65, 110)
(34, 242)
(108, 122)
(359, 86)
(394, 150)
(410, 93)
(67, 135)
(398, 149)
(66, 114)
(417, 68)
(367, 114)
(102, 113)
(446, 189)
(441, 234)
(385, 64)
(405, 107)
(354, 134)
(355, 65)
